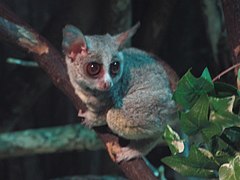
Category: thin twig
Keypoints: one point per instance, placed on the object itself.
(225, 72)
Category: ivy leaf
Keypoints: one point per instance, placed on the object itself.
(221, 116)
(222, 104)
(222, 150)
(173, 140)
(222, 157)
(202, 158)
(233, 136)
(197, 118)
(189, 89)
(206, 75)
(231, 170)
(200, 163)
(225, 90)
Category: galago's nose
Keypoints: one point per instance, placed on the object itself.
(105, 85)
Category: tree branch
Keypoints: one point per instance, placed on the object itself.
(48, 140)
(231, 11)
(18, 32)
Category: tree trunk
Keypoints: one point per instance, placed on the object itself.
(231, 9)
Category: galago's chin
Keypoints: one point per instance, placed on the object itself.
(103, 89)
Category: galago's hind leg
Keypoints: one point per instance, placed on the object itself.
(137, 123)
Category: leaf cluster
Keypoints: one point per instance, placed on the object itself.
(209, 116)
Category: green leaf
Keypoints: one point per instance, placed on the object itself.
(233, 136)
(173, 140)
(202, 158)
(222, 157)
(231, 170)
(184, 168)
(200, 163)
(224, 89)
(206, 75)
(221, 116)
(189, 89)
(222, 104)
(197, 118)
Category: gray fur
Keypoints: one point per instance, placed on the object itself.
(139, 103)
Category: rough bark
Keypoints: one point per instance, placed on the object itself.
(48, 140)
(18, 32)
(231, 9)
(216, 33)
(213, 26)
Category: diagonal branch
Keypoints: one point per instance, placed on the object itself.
(19, 33)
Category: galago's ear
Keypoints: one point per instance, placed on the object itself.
(73, 41)
(121, 38)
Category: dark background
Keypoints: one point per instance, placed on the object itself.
(185, 33)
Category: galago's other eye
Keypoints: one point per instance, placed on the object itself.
(114, 68)
(93, 69)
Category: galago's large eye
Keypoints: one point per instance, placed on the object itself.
(93, 69)
(114, 68)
